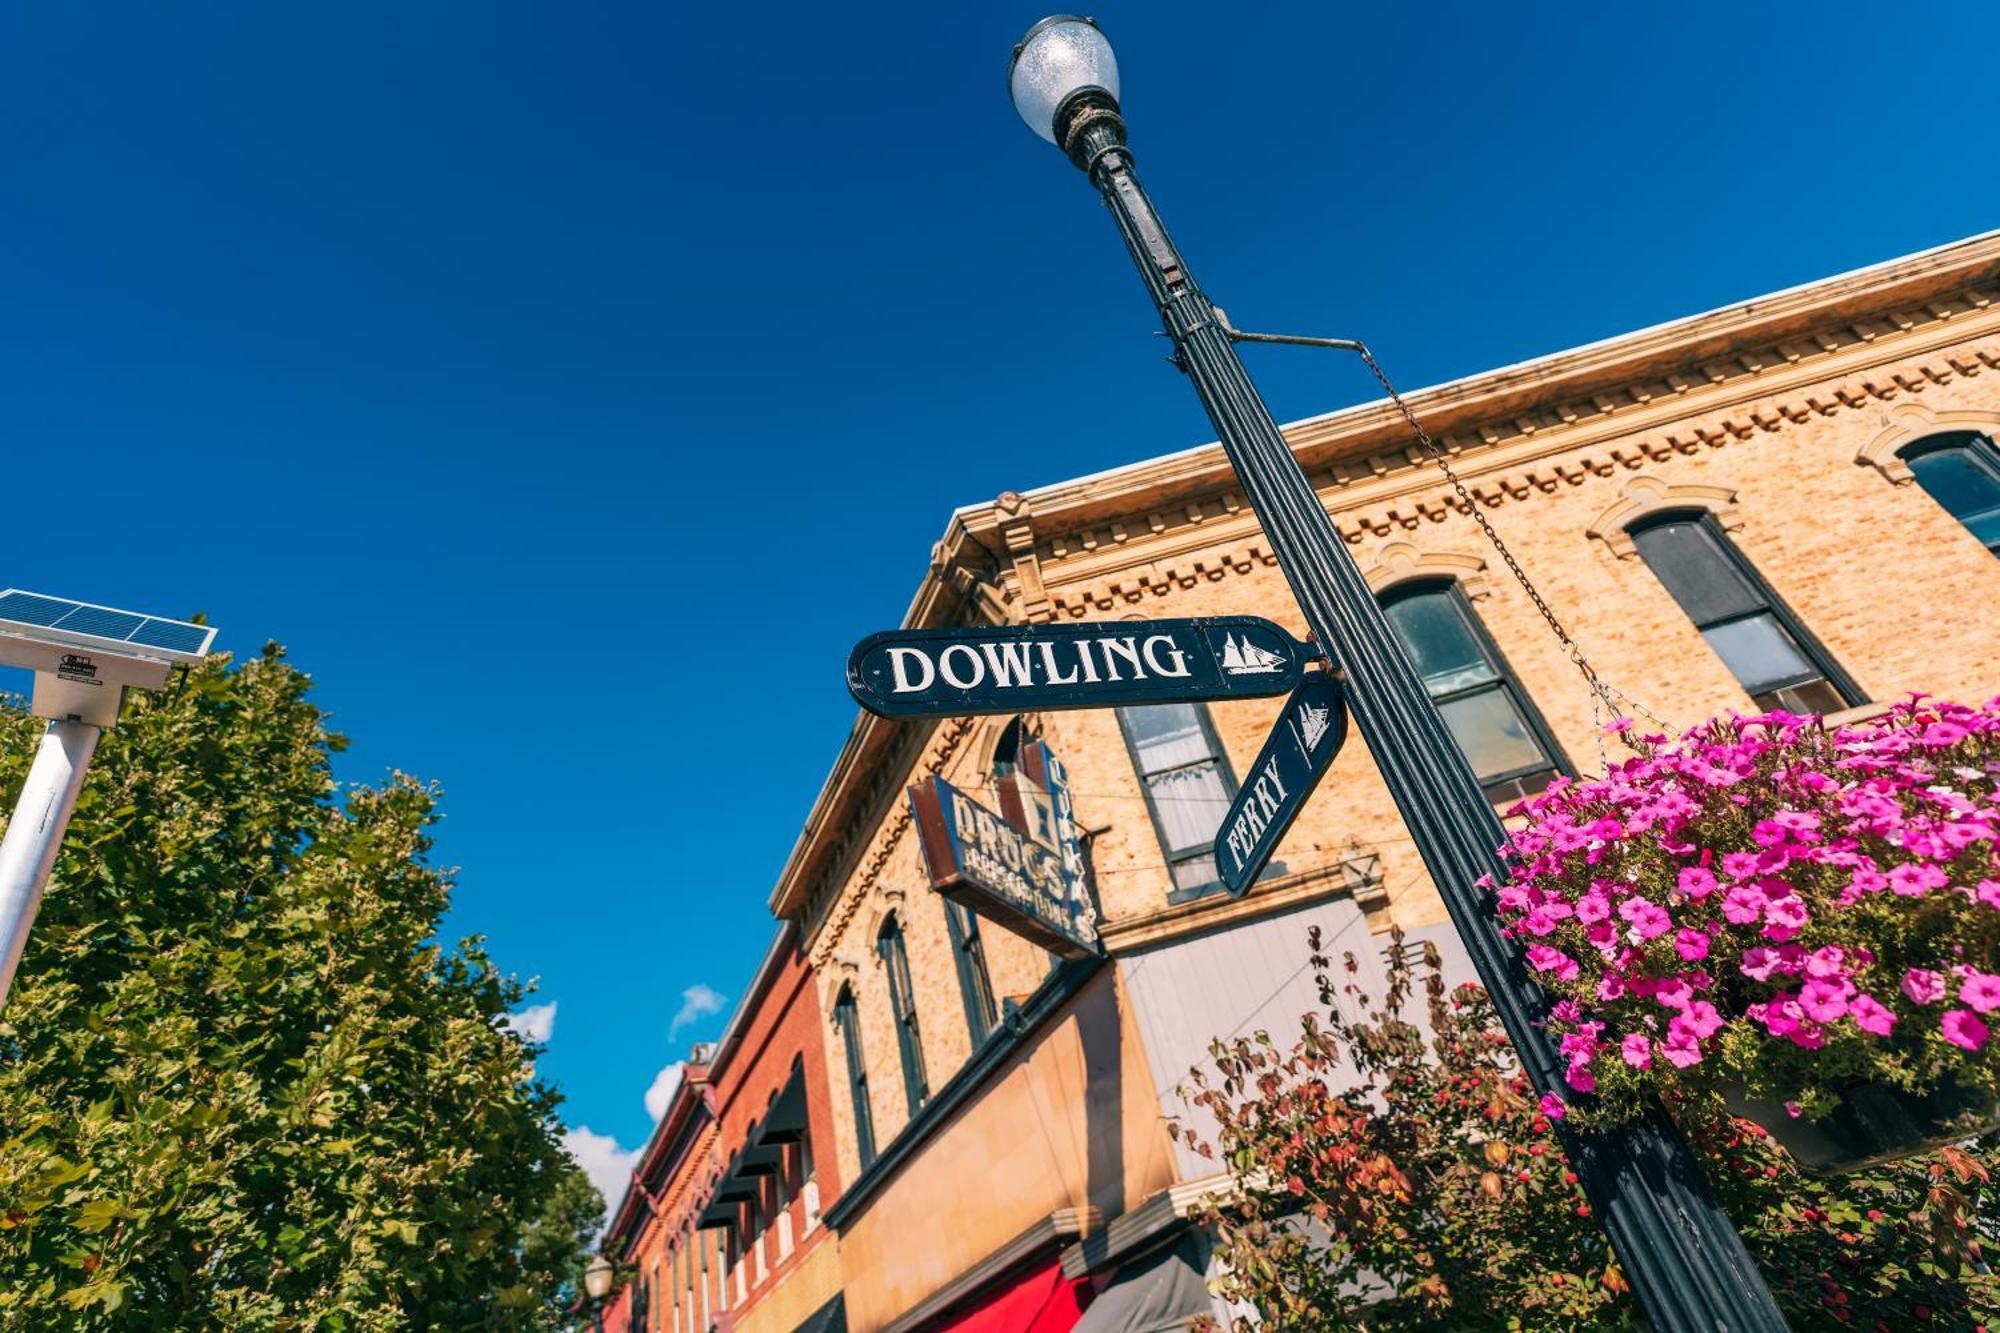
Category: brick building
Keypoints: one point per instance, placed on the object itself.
(721, 1228)
(1794, 500)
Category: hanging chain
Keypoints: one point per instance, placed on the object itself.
(1604, 695)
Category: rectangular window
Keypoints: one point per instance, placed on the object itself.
(903, 1004)
(1499, 731)
(975, 984)
(1779, 664)
(849, 1022)
(1188, 787)
(1962, 473)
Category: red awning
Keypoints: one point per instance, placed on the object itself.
(1041, 1300)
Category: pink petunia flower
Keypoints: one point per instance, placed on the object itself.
(1740, 865)
(1784, 918)
(1681, 1051)
(1923, 986)
(1637, 1050)
(1980, 991)
(1696, 882)
(1743, 905)
(1825, 1001)
(1914, 879)
(1870, 1015)
(1692, 945)
(1578, 1076)
(1989, 892)
(1543, 958)
(1553, 1106)
(1648, 920)
(1961, 1028)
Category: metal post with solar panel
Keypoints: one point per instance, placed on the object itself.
(84, 658)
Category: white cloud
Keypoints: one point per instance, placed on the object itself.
(665, 1084)
(608, 1165)
(536, 1023)
(697, 1002)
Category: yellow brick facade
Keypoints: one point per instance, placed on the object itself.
(1782, 417)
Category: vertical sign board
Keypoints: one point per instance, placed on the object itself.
(980, 861)
(1310, 732)
(1040, 765)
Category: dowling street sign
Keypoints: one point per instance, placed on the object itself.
(1105, 664)
(1310, 732)
(978, 860)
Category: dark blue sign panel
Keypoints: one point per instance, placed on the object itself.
(980, 861)
(1104, 664)
(1310, 732)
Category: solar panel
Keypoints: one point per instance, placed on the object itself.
(64, 619)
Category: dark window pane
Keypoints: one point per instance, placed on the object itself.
(1759, 651)
(1965, 479)
(1685, 556)
(1493, 734)
(1437, 637)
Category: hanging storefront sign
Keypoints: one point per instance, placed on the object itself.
(1310, 731)
(980, 861)
(1033, 668)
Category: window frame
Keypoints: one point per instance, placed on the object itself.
(1177, 893)
(892, 950)
(1505, 680)
(1980, 451)
(1808, 644)
(975, 977)
(847, 1017)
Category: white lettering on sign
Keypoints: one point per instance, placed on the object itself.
(1180, 666)
(1267, 793)
(1031, 662)
(898, 660)
(951, 678)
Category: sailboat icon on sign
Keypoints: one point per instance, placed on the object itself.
(1247, 659)
(1312, 722)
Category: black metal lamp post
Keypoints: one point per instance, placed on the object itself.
(1678, 1249)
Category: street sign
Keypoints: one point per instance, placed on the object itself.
(978, 860)
(1102, 664)
(1310, 732)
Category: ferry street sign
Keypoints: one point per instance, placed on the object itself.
(978, 860)
(1104, 664)
(1310, 732)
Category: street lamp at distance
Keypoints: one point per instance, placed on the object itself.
(597, 1276)
(1682, 1256)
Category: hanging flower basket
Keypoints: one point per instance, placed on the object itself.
(1800, 919)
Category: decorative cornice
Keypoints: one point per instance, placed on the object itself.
(1505, 475)
(884, 832)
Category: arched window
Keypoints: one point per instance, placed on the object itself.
(848, 1019)
(1490, 716)
(1756, 635)
(903, 1005)
(975, 985)
(1961, 471)
(1188, 787)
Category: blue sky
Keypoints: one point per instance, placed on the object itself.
(569, 385)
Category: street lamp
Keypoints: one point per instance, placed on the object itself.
(1682, 1256)
(84, 658)
(596, 1286)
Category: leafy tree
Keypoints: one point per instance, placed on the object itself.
(243, 1085)
(1391, 1175)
